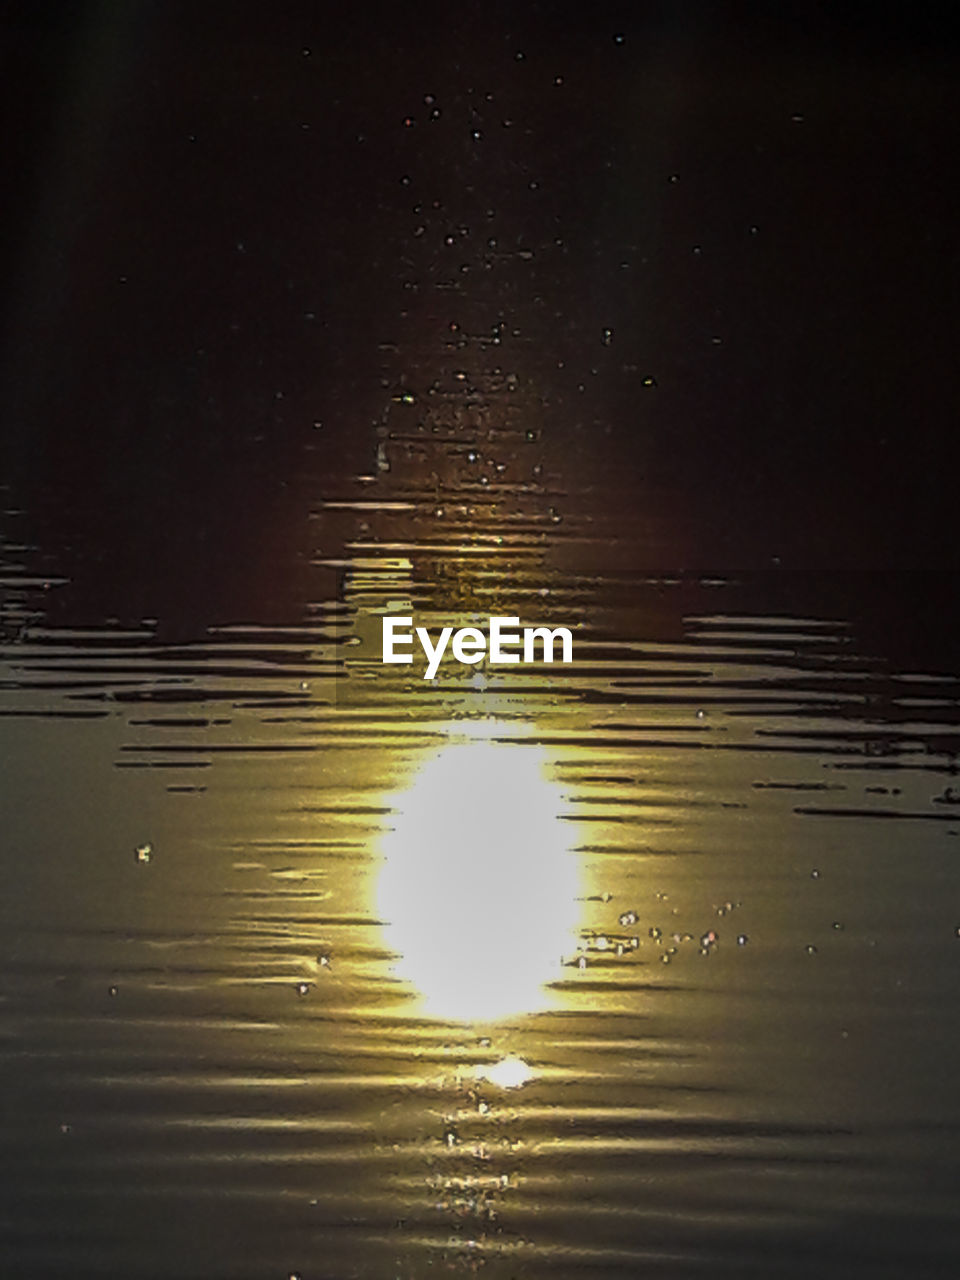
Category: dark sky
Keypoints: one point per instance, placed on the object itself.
(226, 222)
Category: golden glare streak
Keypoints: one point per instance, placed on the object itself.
(479, 886)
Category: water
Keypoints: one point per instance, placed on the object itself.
(311, 967)
(640, 324)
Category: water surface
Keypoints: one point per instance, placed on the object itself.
(312, 967)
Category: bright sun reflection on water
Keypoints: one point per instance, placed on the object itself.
(479, 886)
(508, 1073)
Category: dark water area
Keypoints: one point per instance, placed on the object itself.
(634, 320)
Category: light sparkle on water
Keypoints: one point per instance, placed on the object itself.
(478, 891)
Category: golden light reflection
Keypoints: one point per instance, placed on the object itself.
(479, 887)
(508, 1073)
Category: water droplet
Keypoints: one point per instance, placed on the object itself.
(606, 337)
(742, 939)
(628, 917)
(144, 852)
(302, 988)
(815, 874)
(811, 949)
(619, 38)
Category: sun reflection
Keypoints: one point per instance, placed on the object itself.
(508, 1073)
(479, 885)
